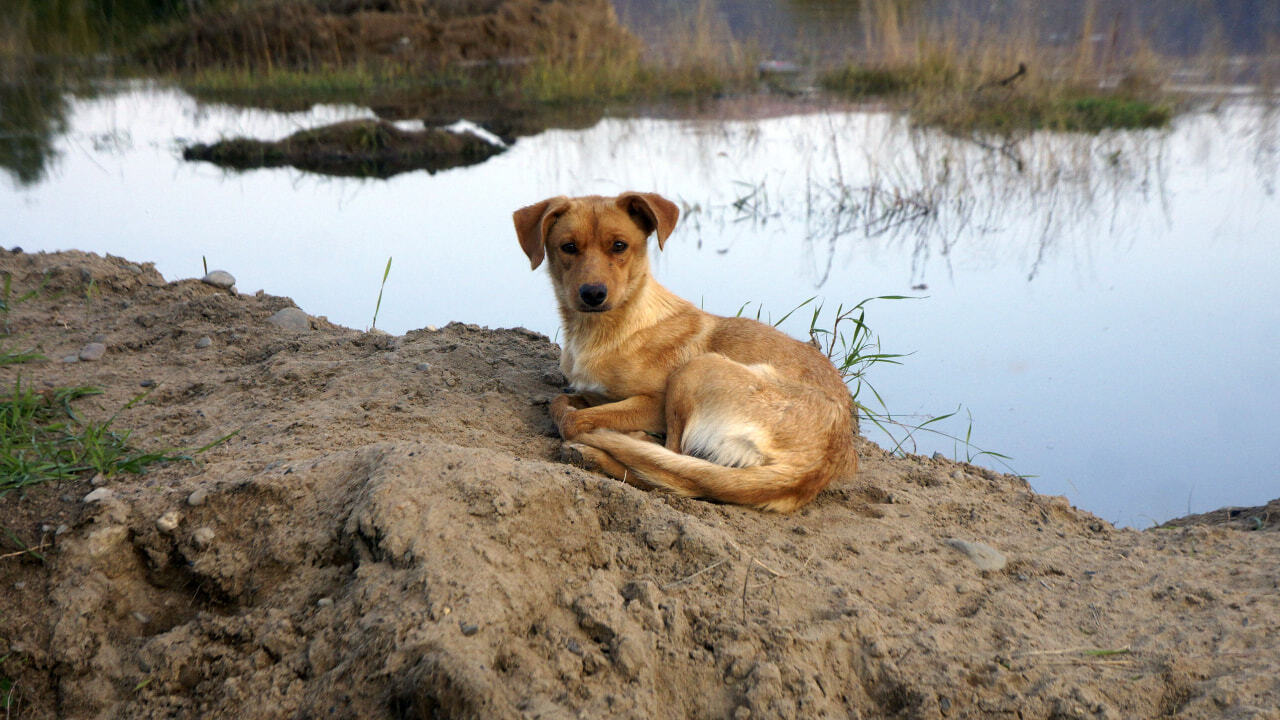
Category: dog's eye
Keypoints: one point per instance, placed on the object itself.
(569, 248)
(619, 246)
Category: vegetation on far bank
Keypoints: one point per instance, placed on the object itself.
(403, 55)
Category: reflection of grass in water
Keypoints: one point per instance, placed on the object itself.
(32, 115)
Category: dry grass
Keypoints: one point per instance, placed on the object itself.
(963, 76)
(958, 73)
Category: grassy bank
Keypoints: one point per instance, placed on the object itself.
(402, 55)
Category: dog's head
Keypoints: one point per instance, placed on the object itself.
(595, 247)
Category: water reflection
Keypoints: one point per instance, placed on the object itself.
(1105, 306)
(859, 180)
(32, 116)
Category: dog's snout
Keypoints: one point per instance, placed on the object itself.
(593, 294)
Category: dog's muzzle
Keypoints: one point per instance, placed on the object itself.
(593, 296)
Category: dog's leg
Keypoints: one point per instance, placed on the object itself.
(639, 412)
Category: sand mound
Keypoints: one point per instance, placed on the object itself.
(388, 535)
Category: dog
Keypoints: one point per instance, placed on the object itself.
(750, 416)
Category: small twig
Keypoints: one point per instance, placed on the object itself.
(1005, 82)
(1090, 662)
(26, 551)
(1091, 651)
(687, 578)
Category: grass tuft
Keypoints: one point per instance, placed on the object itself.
(846, 339)
(43, 438)
(378, 305)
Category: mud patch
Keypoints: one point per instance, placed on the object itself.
(1265, 517)
(357, 148)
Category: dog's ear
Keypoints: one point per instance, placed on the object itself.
(652, 212)
(532, 223)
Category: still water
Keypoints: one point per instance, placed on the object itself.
(1102, 308)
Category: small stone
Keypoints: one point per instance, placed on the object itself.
(135, 269)
(70, 358)
(98, 480)
(204, 342)
(141, 617)
(203, 537)
(220, 279)
(324, 602)
(169, 521)
(468, 629)
(422, 366)
(982, 554)
(197, 498)
(147, 383)
(99, 495)
(630, 658)
(62, 530)
(432, 328)
(291, 319)
(20, 585)
(93, 351)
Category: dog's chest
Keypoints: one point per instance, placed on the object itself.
(584, 371)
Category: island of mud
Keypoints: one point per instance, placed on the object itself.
(356, 148)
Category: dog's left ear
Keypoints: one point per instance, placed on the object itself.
(652, 212)
(533, 222)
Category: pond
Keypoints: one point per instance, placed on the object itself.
(1101, 309)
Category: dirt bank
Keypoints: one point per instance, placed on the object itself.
(389, 535)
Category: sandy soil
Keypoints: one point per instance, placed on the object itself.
(390, 535)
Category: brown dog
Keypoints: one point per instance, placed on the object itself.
(750, 415)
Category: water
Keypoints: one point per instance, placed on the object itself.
(1103, 308)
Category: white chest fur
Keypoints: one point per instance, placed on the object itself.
(577, 368)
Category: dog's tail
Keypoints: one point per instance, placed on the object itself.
(768, 487)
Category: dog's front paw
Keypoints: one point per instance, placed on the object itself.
(570, 422)
(575, 424)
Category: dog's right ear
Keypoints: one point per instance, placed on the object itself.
(532, 224)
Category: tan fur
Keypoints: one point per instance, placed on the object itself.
(767, 416)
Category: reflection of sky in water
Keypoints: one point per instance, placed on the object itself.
(1132, 374)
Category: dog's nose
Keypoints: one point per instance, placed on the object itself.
(593, 294)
